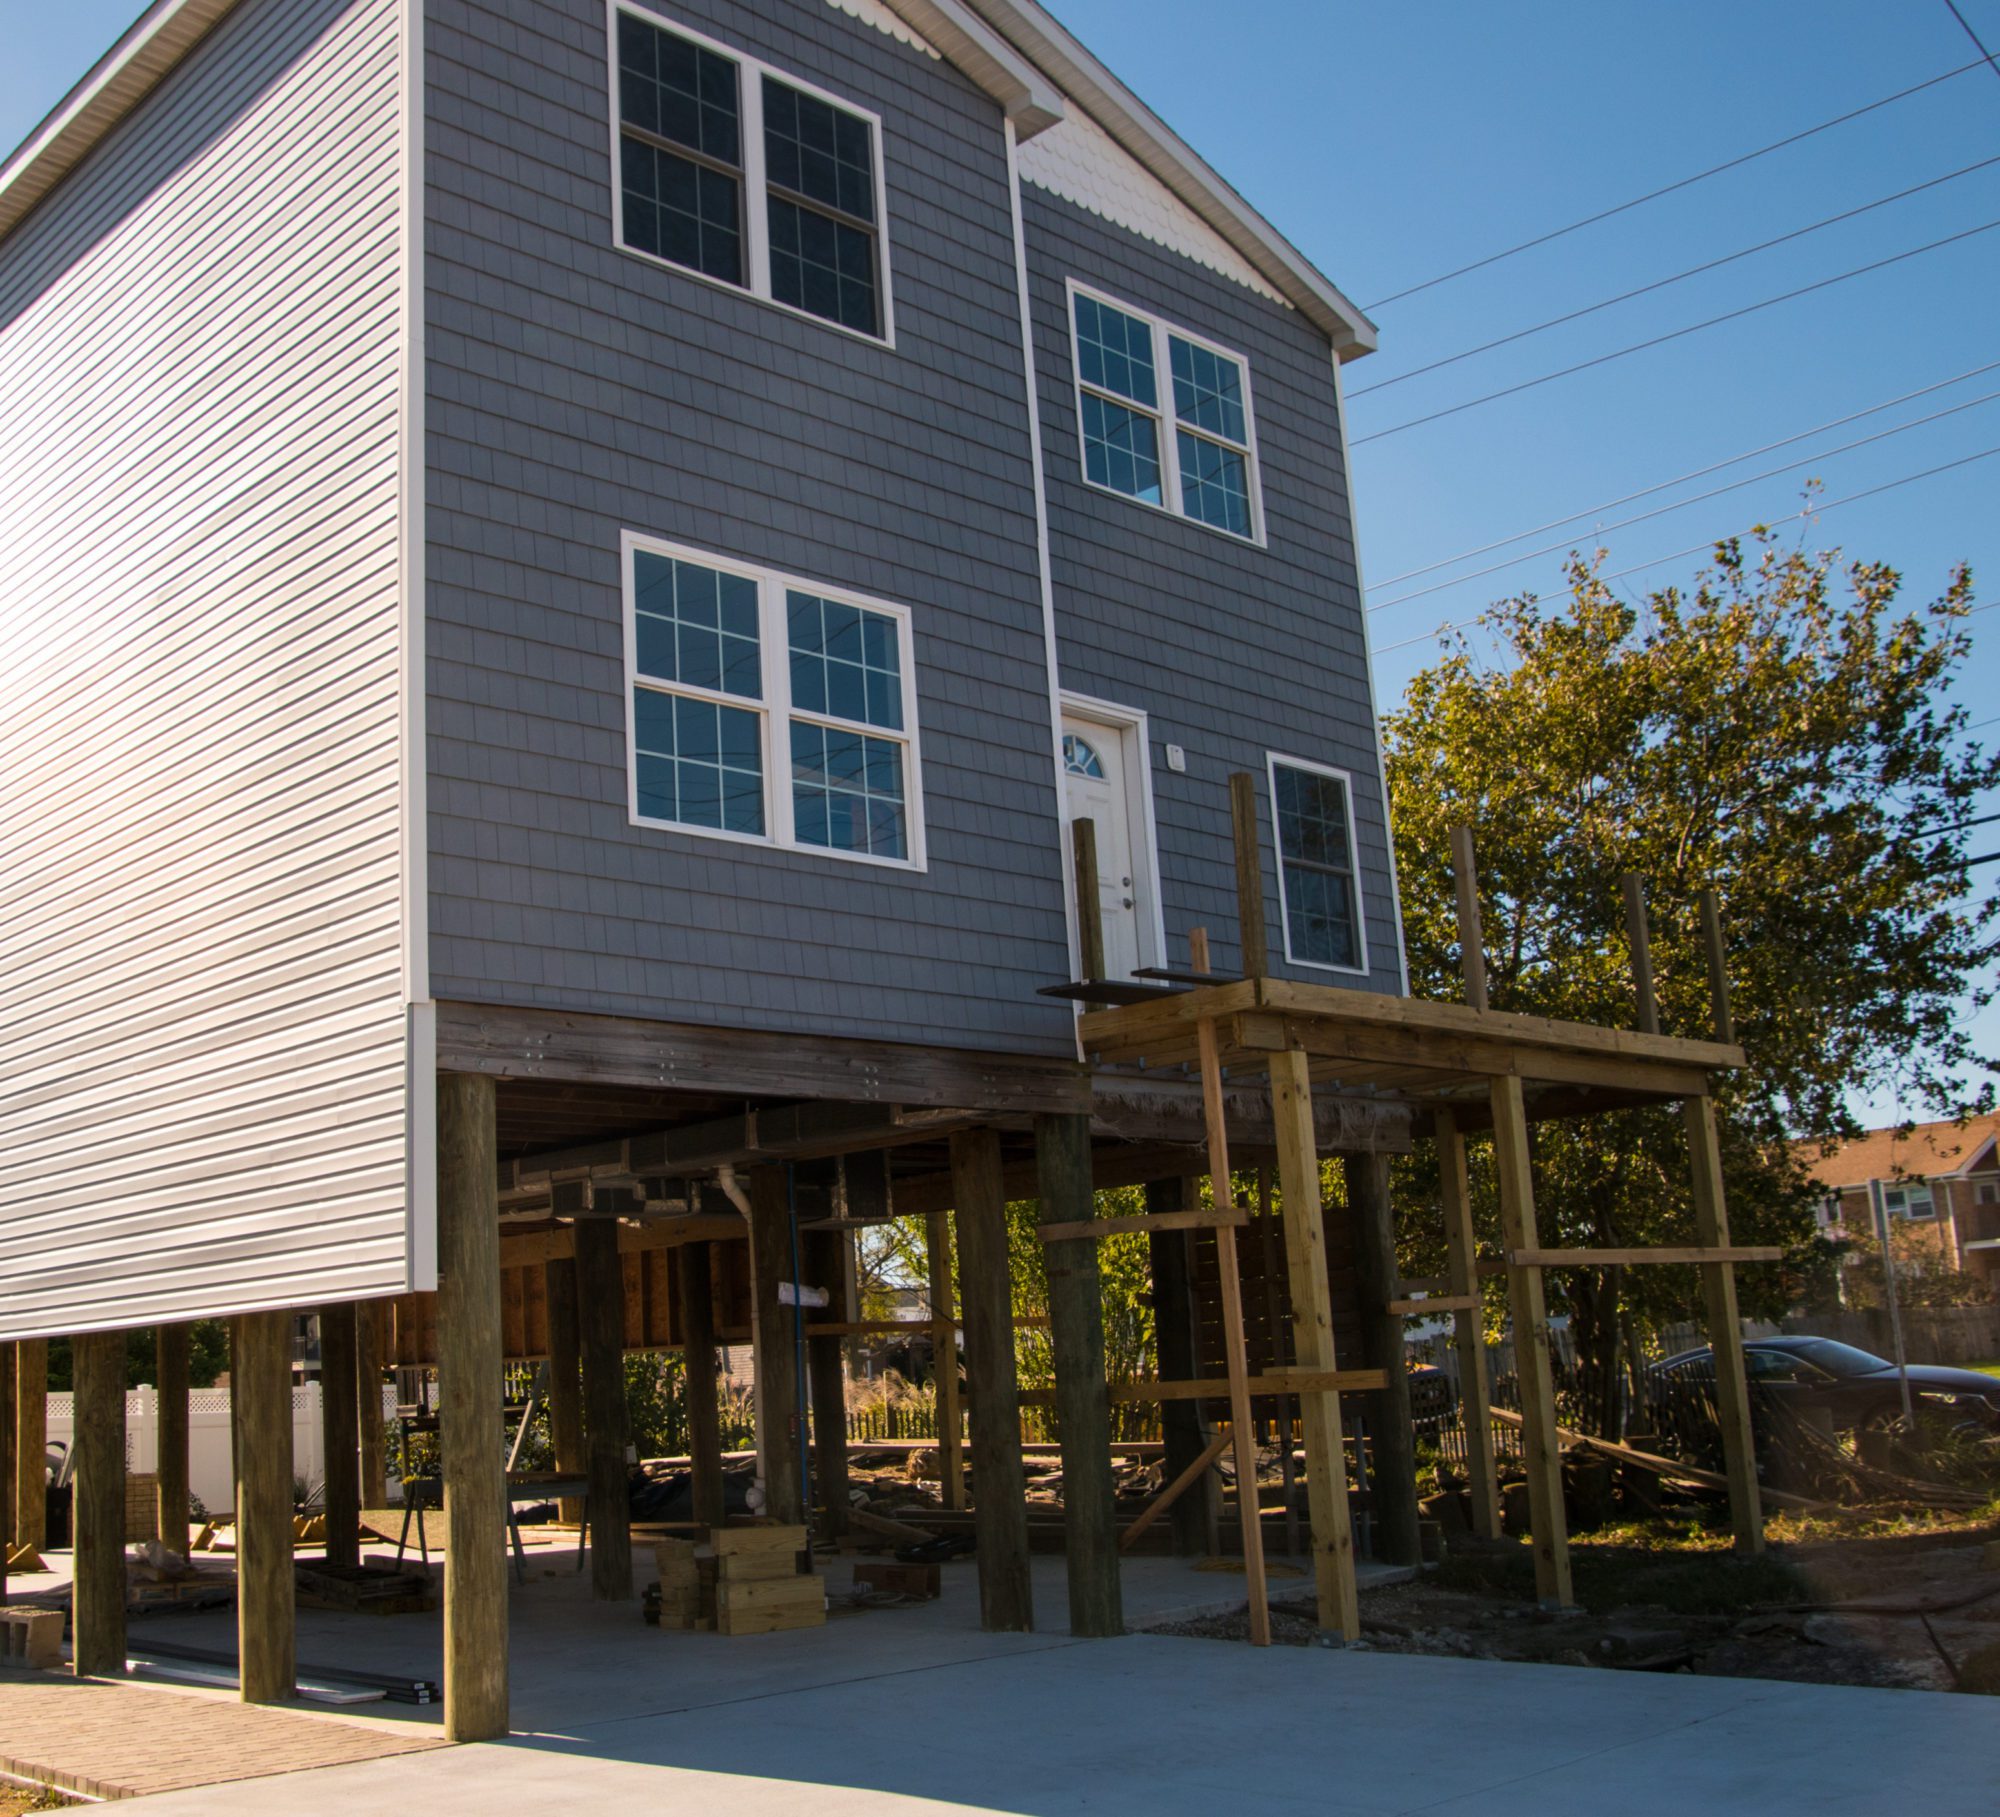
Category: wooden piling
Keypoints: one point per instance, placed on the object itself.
(1540, 1446)
(1312, 1342)
(1725, 1329)
(260, 1405)
(470, 1420)
(1393, 1440)
(1249, 875)
(172, 1348)
(944, 1359)
(97, 1505)
(774, 1332)
(600, 1304)
(826, 1366)
(8, 1474)
(1083, 1405)
(30, 1412)
(704, 1415)
(371, 1324)
(1469, 1327)
(340, 1434)
(999, 1486)
(566, 1377)
(1194, 1515)
(1471, 935)
(1717, 953)
(1638, 936)
(1089, 906)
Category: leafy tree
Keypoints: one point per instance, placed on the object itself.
(208, 1357)
(1782, 735)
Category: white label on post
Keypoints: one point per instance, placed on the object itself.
(790, 1293)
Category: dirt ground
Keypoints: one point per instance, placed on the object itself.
(17, 1800)
(1917, 1610)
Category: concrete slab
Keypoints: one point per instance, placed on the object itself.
(1165, 1727)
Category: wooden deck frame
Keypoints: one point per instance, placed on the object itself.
(1467, 1066)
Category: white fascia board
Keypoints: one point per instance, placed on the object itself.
(966, 41)
(1036, 35)
(123, 77)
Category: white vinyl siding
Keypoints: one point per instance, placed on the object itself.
(204, 1091)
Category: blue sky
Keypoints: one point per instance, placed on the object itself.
(1395, 143)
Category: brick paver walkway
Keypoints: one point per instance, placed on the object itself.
(121, 1741)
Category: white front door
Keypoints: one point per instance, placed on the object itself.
(1098, 784)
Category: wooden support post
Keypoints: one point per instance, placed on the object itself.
(172, 1348)
(1089, 906)
(1195, 1513)
(340, 1430)
(826, 1363)
(1312, 1342)
(31, 1442)
(371, 1331)
(1471, 936)
(1469, 1328)
(97, 1507)
(566, 1377)
(1229, 1272)
(1393, 1448)
(1718, 967)
(260, 1407)
(999, 1486)
(470, 1420)
(8, 1473)
(1725, 1332)
(600, 1314)
(944, 1359)
(1638, 936)
(774, 1334)
(1249, 874)
(1083, 1405)
(1539, 1445)
(704, 1415)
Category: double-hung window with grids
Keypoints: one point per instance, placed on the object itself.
(1163, 416)
(1319, 893)
(748, 177)
(764, 707)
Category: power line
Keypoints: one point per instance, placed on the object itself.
(1956, 826)
(1676, 334)
(1699, 498)
(1973, 35)
(1908, 479)
(1749, 454)
(1576, 315)
(1700, 176)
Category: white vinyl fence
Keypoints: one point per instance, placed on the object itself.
(208, 1437)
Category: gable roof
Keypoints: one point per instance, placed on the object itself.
(1930, 1151)
(1014, 50)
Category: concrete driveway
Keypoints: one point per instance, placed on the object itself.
(1164, 1726)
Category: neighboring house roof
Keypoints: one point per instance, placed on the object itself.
(1013, 49)
(1930, 1151)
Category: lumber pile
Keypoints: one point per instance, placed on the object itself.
(747, 1580)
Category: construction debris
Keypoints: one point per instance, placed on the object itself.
(747, 1580)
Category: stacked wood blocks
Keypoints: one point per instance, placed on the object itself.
(747, 1581)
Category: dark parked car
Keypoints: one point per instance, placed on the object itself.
(1856, 1387)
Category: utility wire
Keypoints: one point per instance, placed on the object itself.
(1973, 35)
(1700, 176)
(1693, 271)
(1660, 340)
(1957, 826)
(1908, 479)
(1698, 498)
(1749, 454)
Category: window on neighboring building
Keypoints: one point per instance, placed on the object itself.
(767, 708)
(1163, 416)
(1987, 1192)
(1319, 893)
(748, 177)
(1908, 1201)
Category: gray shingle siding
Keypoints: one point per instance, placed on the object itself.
(575, 391)
(1234, 650)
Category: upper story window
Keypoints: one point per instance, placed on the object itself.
(766, 708)
(1908, 1201)
(1164, 416)
(1319, 891)
(748, 177)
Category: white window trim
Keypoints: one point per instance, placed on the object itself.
(1907, 1186)
(1134, 731)
(1166, 421)
(774, 709)
(1272, 759)
(756, 188)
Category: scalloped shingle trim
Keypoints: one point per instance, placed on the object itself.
(873, 12)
